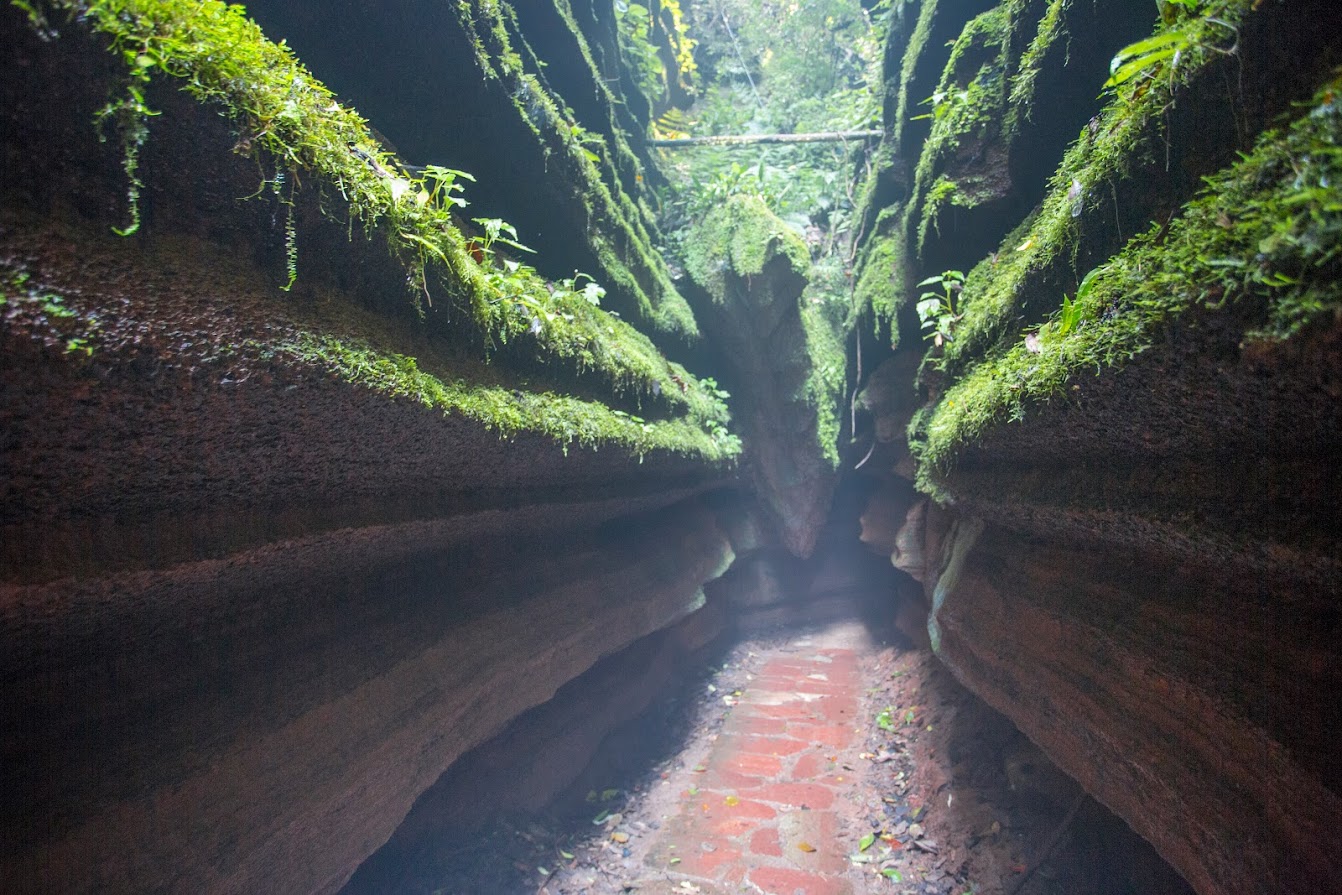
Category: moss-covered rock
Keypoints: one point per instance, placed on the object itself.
(559, 181)
(1257, 249)
(785, 364)
(1129, 432)
(299, 134)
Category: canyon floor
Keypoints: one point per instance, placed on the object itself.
(835, 759)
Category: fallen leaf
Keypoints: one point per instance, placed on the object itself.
(1032, 344)
(866, 842)
(892, 874)
(806, 847)
(621, 838)
(565, 855)
(732, 801)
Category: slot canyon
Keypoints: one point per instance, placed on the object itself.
(705, 446)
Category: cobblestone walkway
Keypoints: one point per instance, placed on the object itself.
(768, 810)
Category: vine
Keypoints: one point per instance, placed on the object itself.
(131, 115)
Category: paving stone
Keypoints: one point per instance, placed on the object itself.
(774, 746)
(751, 765)
(809, 795)
(785, 881)
(769, 808)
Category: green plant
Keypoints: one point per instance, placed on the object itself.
(710, 385)
(131, 115)
(437, 185)
(592, 292)
(494, 230)
(943, 103)
(1166, 49)
(1066, 320)
(585, 139)
(937, 310)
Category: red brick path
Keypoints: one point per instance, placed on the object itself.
(763, 813)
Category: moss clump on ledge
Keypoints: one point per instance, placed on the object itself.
(294, 124)
(617, 231)
(1263, 242)
(739, 238)
(739, 241)
(508, 412)
(1127, 132)
(882, 271)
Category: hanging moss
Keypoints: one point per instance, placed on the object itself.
(970, 118)
(1051, 30)
(221, 58)
(825, 381)
(919, 42)
(508, 412)
(616, 226)
(1263, 241)
(882, 274)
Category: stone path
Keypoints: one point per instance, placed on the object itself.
(767, 811)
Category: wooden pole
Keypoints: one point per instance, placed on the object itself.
(748, 139)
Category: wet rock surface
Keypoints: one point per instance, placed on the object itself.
(750, 270)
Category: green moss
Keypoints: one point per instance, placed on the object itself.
(293, 122)
(508, 412)
(825, 381)
(913, 55)
(47, 313)
(737, 241)
(617, 229)
(739, 237)
(882, 276)
(1052, 28)
(969, 109)
(1127, 132)
(221, 57)
(1264, 238)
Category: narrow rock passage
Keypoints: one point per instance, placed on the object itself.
(770, 805)
(822, 753)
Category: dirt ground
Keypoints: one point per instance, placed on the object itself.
(935, 793)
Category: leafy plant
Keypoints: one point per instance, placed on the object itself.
(592, 292)
(131, 115)
(1166, 49)
(710, 385)
(494, 229)
(439, 186)
(585, 139)
(943, 103)
(937, 310)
